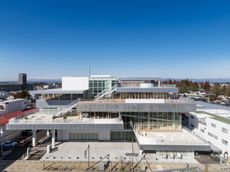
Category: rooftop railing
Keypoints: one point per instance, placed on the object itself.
(171, 101)
(45, 120)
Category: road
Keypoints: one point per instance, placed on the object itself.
(16, 153)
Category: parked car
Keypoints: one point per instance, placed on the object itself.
(9, 143)
(26, 133)
(24, 142)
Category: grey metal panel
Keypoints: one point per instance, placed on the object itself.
(75, 127)
(180, 148)
(136, 107)
(40, 103)
(57, 91)
(146, 90)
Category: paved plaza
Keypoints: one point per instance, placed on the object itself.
(108, 151)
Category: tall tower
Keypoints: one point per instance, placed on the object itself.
(22, 80)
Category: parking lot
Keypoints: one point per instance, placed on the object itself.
(207, 159)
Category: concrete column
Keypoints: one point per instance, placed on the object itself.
(104, 135)
(34, 138)
(148, 120)
(47, 133)
(159, 83)
(53, 139)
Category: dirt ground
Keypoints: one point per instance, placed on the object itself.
(42, 166)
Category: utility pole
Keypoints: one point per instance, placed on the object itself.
(89, 69)
(88, 155)
(132, 155)
(1, 132)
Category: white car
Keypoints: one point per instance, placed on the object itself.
(9, 143)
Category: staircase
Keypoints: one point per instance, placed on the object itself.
(67, 108)
(105, 92)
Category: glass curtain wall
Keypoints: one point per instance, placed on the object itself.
(142, 96)
(153, 121)
(96, 86)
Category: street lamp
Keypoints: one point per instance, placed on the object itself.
(1, 132)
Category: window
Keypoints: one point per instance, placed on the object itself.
(212, 135)
(225, 142)
(202, 130)
(224, 130)
(213, 125)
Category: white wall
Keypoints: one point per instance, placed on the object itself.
(202, 130)
(13, 105)
(75, 83)
(219, 133)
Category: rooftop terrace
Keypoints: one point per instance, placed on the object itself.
(168, 137)
(41, 118)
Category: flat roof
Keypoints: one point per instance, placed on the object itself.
(4, 119)
(146, 90)
(204, 105)
(11, 100)
(167, 137)
(95, 77)
(217, 112)
(216, 117)
(57, 91)
(139, 78)
(41, 117)
(9, 83)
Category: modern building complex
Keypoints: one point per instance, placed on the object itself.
(16, 86)
(104, 108)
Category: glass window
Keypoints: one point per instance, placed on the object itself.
(212, 135)
(225, 142)
(224, 130)
(213, 125)
(202, 130)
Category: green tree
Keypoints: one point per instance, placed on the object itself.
(22, 94)
(216, 89)
(207, 86)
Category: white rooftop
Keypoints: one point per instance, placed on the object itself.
(220, 112)
(11, 100)
(168, 137)
(42, 118)
(200, 115)
(58, 91)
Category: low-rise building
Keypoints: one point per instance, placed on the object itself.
(7, 106)
(212, 124)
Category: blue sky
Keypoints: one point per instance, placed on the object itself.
(167, 38)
